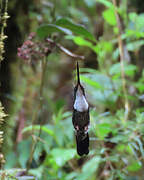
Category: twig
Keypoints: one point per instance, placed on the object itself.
(3, 19)
(3, 22)
(35, 140)
(63, 49)
(122, 58)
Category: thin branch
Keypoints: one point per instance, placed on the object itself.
(3, 23)
(67, 52)
(63, 49)
(122, 59)
(35, 140)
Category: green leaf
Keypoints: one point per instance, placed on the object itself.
(134, 33)
(90, 3)
(91, 82)
(92, 164)
(82, 42)
(129, 69)
(88, 70)
(103, 129)
(114, 158)
(119, 138)
(75, 28)
(109, 16)
(47, 29)
(140, 86)
(61, 156)
(106, 3)
(45, 129)
(100, 87)
(89, 168)
(132, 16)
(37, 171)
(134, 46)
(136, 27)
(135, 166)
(24, 152)
(140, 145)
(10, 160)
(71, 175)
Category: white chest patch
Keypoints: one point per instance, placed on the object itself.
(80, 103)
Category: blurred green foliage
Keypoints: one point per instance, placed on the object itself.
(116, 143)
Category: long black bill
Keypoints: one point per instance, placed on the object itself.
(78, 76)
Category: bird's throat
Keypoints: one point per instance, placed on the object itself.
(80, 103)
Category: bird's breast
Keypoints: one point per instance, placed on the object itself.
(80, 103)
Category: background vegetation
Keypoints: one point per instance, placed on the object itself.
(45, 38)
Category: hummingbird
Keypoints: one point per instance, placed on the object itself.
(80, 117)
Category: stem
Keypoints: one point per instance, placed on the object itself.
(3, 19)
(122, 58)
(35, 140)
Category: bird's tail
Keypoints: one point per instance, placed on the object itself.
(82, 144)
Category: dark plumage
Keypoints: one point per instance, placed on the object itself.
(81, 118)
